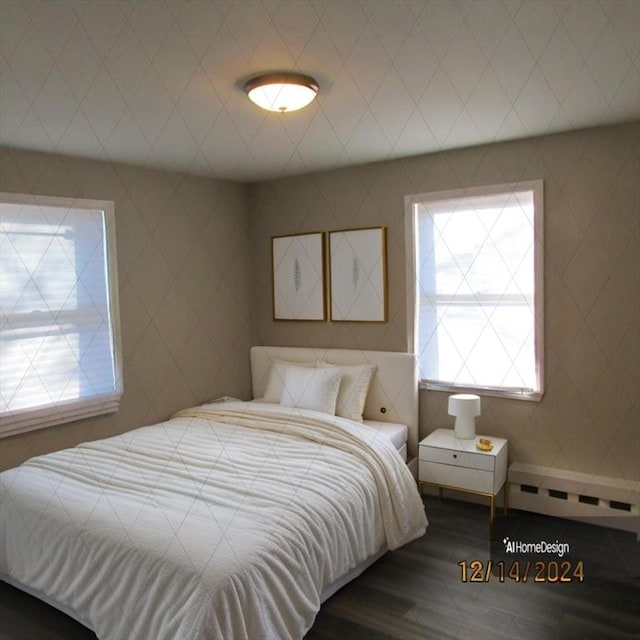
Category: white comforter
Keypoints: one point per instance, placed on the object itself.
(198, 528)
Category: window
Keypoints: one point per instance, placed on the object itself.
(477, 261)
(59, 338)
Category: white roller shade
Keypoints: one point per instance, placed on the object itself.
(59, 346)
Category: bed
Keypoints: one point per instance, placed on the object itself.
(235, 519)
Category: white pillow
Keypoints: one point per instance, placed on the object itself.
(275, 380)
(315, 389)
(354, 387)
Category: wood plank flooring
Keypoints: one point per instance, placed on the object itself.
(416, 593)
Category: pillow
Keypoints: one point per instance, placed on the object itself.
(315, 389)
(275, 380)
(354, 387)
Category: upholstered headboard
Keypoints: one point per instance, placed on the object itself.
(393, 395)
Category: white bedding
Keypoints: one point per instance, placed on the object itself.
(199, 528)
(395, 433)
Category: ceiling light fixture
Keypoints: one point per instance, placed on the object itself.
(282, 92)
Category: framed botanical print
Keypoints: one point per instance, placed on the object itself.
(298, 267)
(358, 275)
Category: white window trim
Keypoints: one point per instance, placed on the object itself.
(14, 423)
(410, 219)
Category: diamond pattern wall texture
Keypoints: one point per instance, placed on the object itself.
(589, 417)
(141, 103)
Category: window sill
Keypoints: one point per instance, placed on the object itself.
(49, 416)
(513, 394)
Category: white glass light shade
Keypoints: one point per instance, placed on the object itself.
(465, 407)
(282, 92)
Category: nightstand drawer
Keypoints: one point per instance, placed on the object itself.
(458, 477)
(458, 458)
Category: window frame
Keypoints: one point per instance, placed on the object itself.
(31, 419)
(412, 273)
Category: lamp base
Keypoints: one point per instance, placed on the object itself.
(465, 428)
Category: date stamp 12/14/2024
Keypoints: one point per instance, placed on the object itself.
(548, 571)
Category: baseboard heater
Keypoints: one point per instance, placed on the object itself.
(610, 502)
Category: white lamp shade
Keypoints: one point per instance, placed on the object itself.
(465, 407)
(282, 92)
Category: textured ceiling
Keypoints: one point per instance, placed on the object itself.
(159, 83)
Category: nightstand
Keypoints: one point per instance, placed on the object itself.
(450, 463)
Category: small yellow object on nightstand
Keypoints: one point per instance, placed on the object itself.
(484, 445)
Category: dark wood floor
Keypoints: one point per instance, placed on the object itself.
(417, 592)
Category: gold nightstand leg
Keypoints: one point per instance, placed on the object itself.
(492, 509)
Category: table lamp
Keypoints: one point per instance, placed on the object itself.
(465, 407)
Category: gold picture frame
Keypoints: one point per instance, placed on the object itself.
(358, 275)
(298, 277)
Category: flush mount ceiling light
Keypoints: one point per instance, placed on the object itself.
(282, 92)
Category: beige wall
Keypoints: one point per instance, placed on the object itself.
(184, 282)
(589, 417)
(195, 288)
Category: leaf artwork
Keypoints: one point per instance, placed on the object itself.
(355, 272)
(297, 275)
